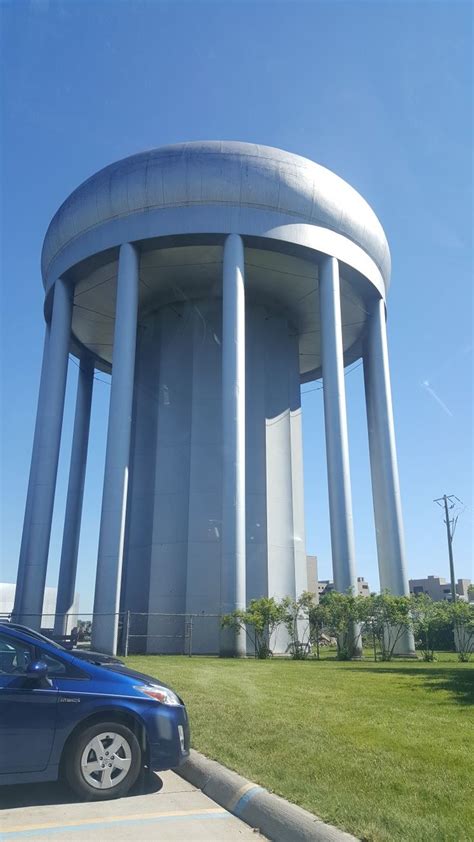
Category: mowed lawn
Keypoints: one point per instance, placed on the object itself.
(383, 750)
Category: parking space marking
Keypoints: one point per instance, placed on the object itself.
(81, 824)
(245, 797)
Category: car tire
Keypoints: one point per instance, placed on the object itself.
(103, 761)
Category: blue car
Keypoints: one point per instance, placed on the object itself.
(82, 716)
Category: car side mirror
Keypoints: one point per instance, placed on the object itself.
(37, 669)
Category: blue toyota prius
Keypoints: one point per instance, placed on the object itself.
(82, 716)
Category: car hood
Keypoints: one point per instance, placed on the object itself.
(114, 665)
(118, 667)
(98, 658)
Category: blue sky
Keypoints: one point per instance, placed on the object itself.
(381, 93)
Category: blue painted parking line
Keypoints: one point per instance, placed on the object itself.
(96, 824)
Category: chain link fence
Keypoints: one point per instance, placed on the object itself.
(141, 633)
(76, 628)
(171, 634)
(138, 632)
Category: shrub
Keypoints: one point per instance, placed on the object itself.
(296, 620)
(429, 618)
(259, 620)
(386, 617)
(462, 614)
(341, 615)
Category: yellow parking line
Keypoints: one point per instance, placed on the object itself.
(99, 820)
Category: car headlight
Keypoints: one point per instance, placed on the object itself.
(159, 694)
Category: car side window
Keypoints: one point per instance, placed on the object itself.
(15, 655)
(55, 666)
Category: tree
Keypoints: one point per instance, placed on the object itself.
(462, 614)
(429, 618)
(259, 620)
(317, 616)
(296, 620)
(341, 617)
(387, 617)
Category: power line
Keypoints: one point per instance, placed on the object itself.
(107, 382)
(320, 388)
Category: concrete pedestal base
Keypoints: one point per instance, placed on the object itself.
(173, 542)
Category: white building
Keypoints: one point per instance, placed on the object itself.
(7, 599)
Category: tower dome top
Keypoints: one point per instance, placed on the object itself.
(219, 173)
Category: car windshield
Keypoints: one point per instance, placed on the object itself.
(35, 634)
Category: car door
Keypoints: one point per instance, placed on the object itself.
(28, 709)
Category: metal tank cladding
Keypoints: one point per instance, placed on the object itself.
(178, 270)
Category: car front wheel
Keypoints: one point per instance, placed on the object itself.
(104, 761)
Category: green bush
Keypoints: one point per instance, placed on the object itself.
(429, 619)
(261, 618)
(385, 617)
(296, 620)
(462, 614)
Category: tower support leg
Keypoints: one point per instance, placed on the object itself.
(383, 466)
(114, 497)
(31, 481)
(233, 559)
(45, 459)
(75, 494)
(337, 444)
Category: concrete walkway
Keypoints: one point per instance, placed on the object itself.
(163, 807)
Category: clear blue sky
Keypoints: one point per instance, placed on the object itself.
(380, 92)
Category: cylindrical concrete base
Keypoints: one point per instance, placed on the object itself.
(173, 544)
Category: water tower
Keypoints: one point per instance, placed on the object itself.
(210, 279)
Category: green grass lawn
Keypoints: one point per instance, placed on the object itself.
(383, 750)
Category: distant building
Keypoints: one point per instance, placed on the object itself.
(326, 585)
(439, 589)
(363, 587)
(7, 598)
(312, 571)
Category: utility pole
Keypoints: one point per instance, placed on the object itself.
(447, 502)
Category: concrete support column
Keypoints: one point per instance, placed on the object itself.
(233, 559)
(114, 498)
(335, 420)
(383, 464)
(45, 459)
(31, 481)
(75, 494)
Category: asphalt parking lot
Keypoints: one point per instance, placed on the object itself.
(161, 807)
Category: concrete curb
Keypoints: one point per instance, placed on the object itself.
(276, 818)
